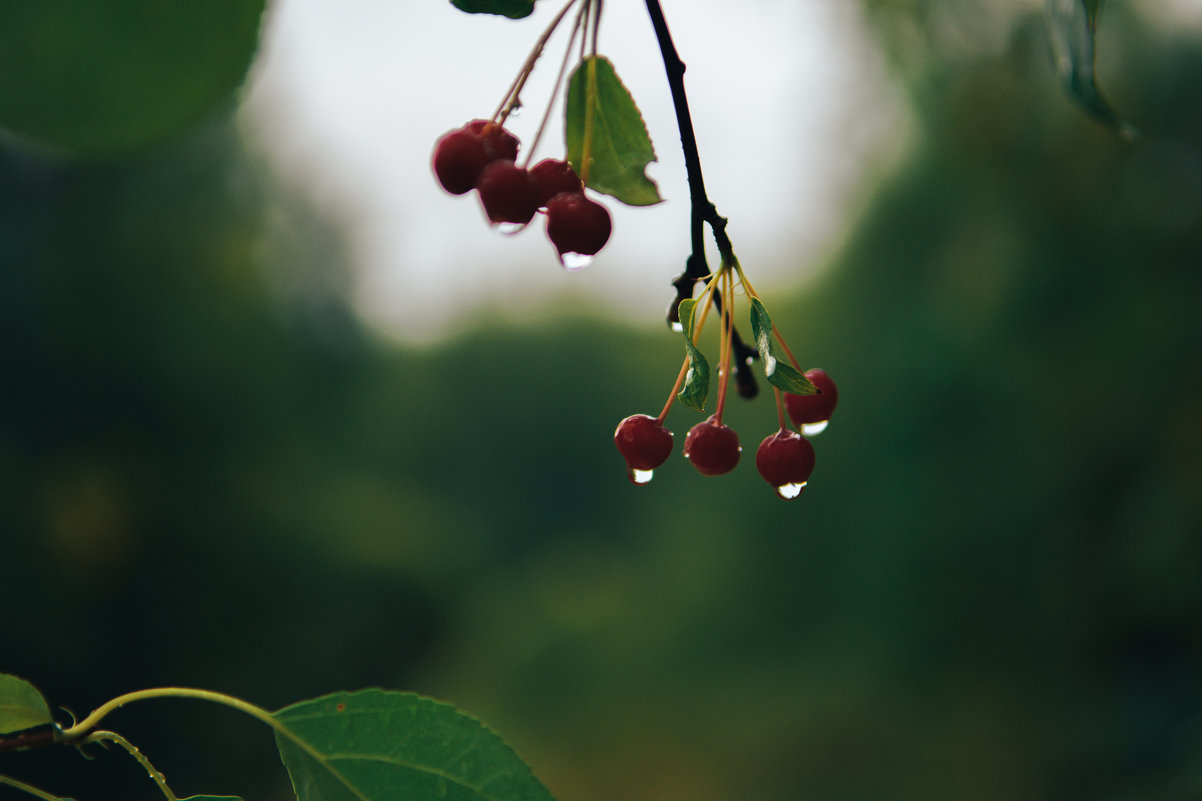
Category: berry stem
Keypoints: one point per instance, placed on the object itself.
(724, 344)
(684, 370)
(511, 98)
(775, 331)
(780, 408)
(563, 70)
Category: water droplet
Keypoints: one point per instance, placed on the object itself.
(812, 429)
(511, 228)
(678, 327)
(790, 491)
(574, 261)
(639, 476)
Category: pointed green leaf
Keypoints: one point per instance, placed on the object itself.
(21, 705)
(1074, 25)
(514, 9)
(780, 375)
(697, 380)
(105, 76)
(620, 148)
(380, 745)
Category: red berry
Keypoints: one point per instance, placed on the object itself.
(459, 158)
(644, 443)
(553, 176)
(507, 193)
(785, 460)
(811, 409)
(499, 143)
(713, 448)
(576, 224)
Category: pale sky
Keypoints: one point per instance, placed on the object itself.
(793, 108)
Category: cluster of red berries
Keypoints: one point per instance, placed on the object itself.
(785, 459)
(482, 155)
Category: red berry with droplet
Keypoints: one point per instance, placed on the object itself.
(576, 224)
(785, 460)
(507, 193)
(459, 157)
(499, 143)
(643, 442)
(809, 409)
(552, 176)
(713, 448)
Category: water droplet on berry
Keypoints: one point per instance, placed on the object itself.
(640, 476)
(790, 491)
(575, 261)
(510, 228)
(813, 429)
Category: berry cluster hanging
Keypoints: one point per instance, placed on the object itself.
(607, 150)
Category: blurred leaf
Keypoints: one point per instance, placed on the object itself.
(1074, 25)
(697, 381)
(212, 798)
(21, 705)
(102, 76)
(380, 745)
(780, 375)
(514, 9)
(620, 148)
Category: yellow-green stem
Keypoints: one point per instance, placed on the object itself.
(153, 772)
(29, 788)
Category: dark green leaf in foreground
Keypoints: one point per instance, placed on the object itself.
(1074, 25)
(21, 705)
(211, 798)
(697, 380)
(514, 9)
(380, 745)
(620, 148)
(780, 375)
(104, 76)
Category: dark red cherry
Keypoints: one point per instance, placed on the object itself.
(644, 443)
(713, 448)
(459, 157)
(499, 143)
(507, 193)
(785, 460)
(552, 176)
(576, 224)
(811, 409)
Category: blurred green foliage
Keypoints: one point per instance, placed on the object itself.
(992, 588)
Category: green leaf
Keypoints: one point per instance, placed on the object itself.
(780, 375)
(697, 380)
(105, 76)
(514, 9)
(380, 745)
(1074, 25)
(21, 705)
(620, 148)
(211, 798)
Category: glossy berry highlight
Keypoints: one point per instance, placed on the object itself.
(644, 443)
(785, 460)
(712, 447)
(811, 412)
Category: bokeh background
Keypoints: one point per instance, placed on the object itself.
(215, 472)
